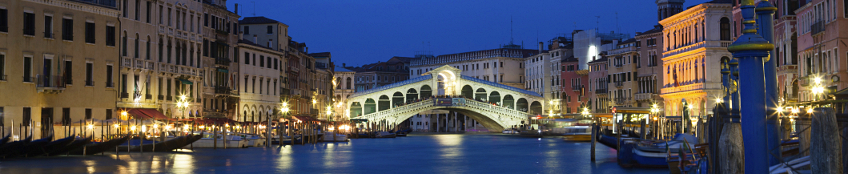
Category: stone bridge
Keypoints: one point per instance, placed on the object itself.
(495, 106)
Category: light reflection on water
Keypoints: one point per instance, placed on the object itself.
(453, 153)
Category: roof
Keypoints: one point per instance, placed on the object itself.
(570, 59)
(602, 59)
(631, 40)
(243, 41)
(341, 69)
(393, 85)
(519, 90)
(321, 54)
(258, 20)
(656, 29)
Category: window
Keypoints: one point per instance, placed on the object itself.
(147, 14)
(29, 24)
(69, 70)
(725, 29)
(137, 10)
(89, 33)
(269, 62)
(68, 29)
(28, 69)
(270, 30)
(110, 35)
(124, 10)
(246, 29)
(246, 60)
(89, 81)
(2, 68)
(109, 77)
(276, 64)
(27, 116)
(108, 114)
(261, 61)
(87, 113)
(206, 20)
(66, 116)
(4, 20)
(48, 26)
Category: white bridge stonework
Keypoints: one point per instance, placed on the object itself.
(499, 106)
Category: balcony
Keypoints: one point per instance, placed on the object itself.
(691, 87)
(576, 88)
(223, 90)
(817, 27)
(126, 62)
(644, 96)
(106, 3)
(50, 84)
(695, 46)
(222, 62)
(601, 91)
(619, 84)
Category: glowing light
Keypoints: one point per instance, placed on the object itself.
(143, 128)
(132, 128)
(116, 126)
(182, 97)
(818, 80)
(691, 106)
(90, 126)
(201, 126)
(655, 118)
(155, 126)
(795, 110)
(810, 110)
(779, 109)
(719, 100)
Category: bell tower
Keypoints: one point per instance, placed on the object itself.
(667, 8)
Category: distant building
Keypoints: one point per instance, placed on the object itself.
(786, 49)
(260, 81)
(575, 86)
(588, 44)
(598, 93)
(502, 65)
(344, 87)
(378, 74)
(822, 35)
(649, 67)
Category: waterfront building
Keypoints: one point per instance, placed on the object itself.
(57, 63)
(575, 86)
(272, 35)
(598, 93)
(695, 42)
(378, 74)
(322, 85)
(503, 65)
(588, 44)
(624, 60)
(561, 48)
(220, 37)
(302, 68)
(786, 49)
(822, 35)
(648, 73)
(260, 81)
(344, 88)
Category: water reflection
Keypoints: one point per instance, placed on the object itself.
(413, 154)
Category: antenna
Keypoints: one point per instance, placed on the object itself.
(510, 30)
(254, 8)
(616, 23)
(597, 22)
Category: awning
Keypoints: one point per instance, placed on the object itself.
(147, 114)
(186, 81)
(223, 70)
(304, 118)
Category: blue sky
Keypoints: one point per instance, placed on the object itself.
(359, 32)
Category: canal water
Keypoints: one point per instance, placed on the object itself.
(441, 153)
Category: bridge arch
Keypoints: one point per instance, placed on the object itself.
(370, 106)
(467, 91)
(355, 109)
(536, 108)
(411, 95)
(508, 102)
(480, 95)
(383, 103)
(397, 99)
(494, 97)
(426, 92)
(522, 105)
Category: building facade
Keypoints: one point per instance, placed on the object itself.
(344, 87)
(649, 67)
(624, 61)
(220, 37)
(58, 63)
(260, 81)
(821, 36)
(598, 93)
(503, 65)
(695, 42)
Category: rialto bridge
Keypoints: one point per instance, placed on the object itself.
(493, 105)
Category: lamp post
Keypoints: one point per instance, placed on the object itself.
(183, 104)
(654, 111)
(283, 110)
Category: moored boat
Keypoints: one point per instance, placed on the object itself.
(385, 135)
(338, 138)
(11, 148)
(77, 144)
(52, 146)
(95, 148)
(32, 147)
(577, 134)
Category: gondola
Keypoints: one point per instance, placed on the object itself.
(5, 139)
(77, 144)
(94, 148)
(141, 145)
(52, 146)
(11, 148)
(31, 147)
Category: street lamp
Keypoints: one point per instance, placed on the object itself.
(284, 108)
(183, 104)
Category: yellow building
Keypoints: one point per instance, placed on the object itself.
(694, 43)
(58, 63)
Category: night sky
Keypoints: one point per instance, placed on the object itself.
(359, 32)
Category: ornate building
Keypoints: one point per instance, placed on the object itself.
(220, 37)
(694, 43)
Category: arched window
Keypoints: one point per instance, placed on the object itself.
(724, 25)
(147, 49)
(124, 44)
(347, 83)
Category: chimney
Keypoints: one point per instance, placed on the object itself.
(236, 10)
(555, 45)
(255, 39)
(541, 44)
(343, 65)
